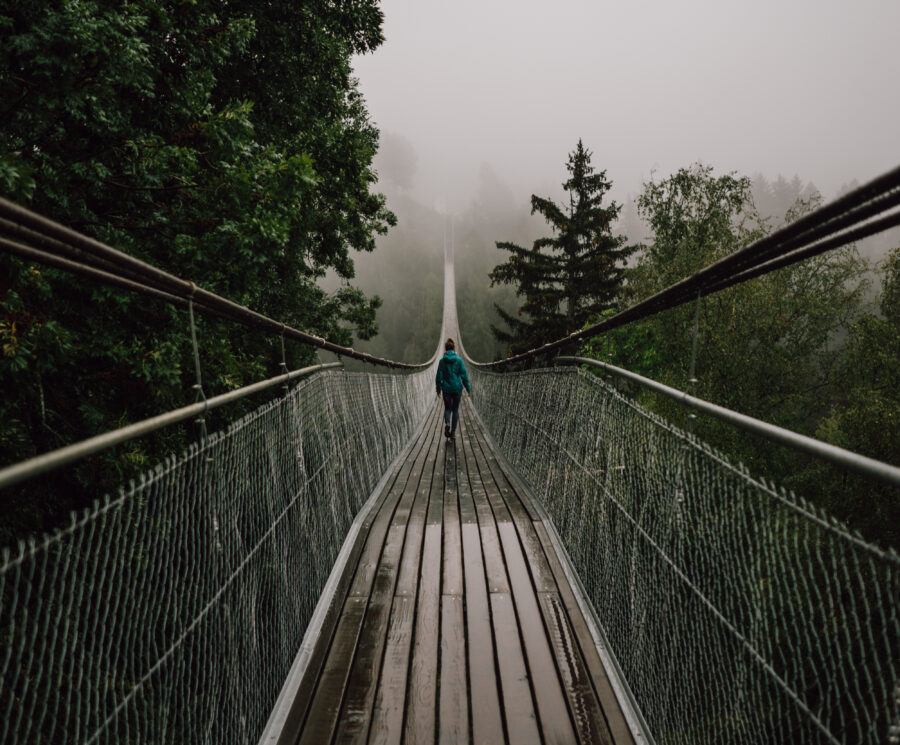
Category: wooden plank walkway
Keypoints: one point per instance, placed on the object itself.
(454, 622)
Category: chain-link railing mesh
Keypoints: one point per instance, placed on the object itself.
(172, 612)
(738, 612)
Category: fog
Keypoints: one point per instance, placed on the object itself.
(778, 87)
(479, 104)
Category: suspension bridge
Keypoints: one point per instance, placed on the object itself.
(572, 569)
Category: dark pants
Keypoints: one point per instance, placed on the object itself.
(451, 407)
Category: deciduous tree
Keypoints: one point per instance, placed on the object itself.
(225, 142)
(773, 347)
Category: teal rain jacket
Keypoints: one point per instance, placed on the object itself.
(451, 374)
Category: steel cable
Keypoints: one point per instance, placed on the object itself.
(738, 612)
(65, 243)
(812, 234)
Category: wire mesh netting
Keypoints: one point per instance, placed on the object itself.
(172, 612)
(738, 612)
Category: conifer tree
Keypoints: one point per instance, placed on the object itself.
(573, 275)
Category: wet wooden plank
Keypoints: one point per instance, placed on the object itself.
(556, 724)
(421, 696)
(390, 701)
(479, 495)
(542, 555)
(487, 725)
(467, 512)
(408, 581)
(360, 693)
(544, 580)
(435, 514)
(390, 704)
(304, 698)
(368, 562)
(471, 630)
(495, 569)
(495, 461)
(618, 727)
(453, 715)
(361, 688)
(484, 694)
(320, 724)
(422, 691)
(452, 581)
(518, 705)
(483, 456)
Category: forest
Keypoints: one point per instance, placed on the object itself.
(231, 145)
(814, 348)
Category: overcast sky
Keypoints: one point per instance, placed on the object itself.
(805, 87)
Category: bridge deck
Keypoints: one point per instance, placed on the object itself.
(454, 622)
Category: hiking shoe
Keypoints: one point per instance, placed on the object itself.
(446, 430)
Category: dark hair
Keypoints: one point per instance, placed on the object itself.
(449, 344)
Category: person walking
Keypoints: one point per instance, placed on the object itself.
(449, 381)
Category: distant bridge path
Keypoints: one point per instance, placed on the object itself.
(571, 569)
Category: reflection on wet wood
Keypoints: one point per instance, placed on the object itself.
(454, 621)
(454, 703)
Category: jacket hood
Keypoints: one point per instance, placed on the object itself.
(450, 354)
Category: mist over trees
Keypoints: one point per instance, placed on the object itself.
(800, 348)
(406, 271)
(812, 347)
(232, 147)
(571, 275)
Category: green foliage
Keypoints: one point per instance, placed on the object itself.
(576, 273)
(772, 348)
(865, 414)
(226, 143)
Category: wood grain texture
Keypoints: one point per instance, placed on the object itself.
(421, 710)
(487, 722)
(587, 716)
(326, 705)
(360, 693)
(323, 687)
(495, 570)
(390, 702)
(452, 581)
(456, 622)
(453, 717)
(556, 725)
(618, 727)
(518, 704)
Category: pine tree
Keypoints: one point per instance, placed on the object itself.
(573, 275)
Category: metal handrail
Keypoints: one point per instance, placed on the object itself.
(809, 445)
(56, 458)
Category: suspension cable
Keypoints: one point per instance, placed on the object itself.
(840, 222)
(41, 239)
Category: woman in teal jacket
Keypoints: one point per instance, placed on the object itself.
(450, 379)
